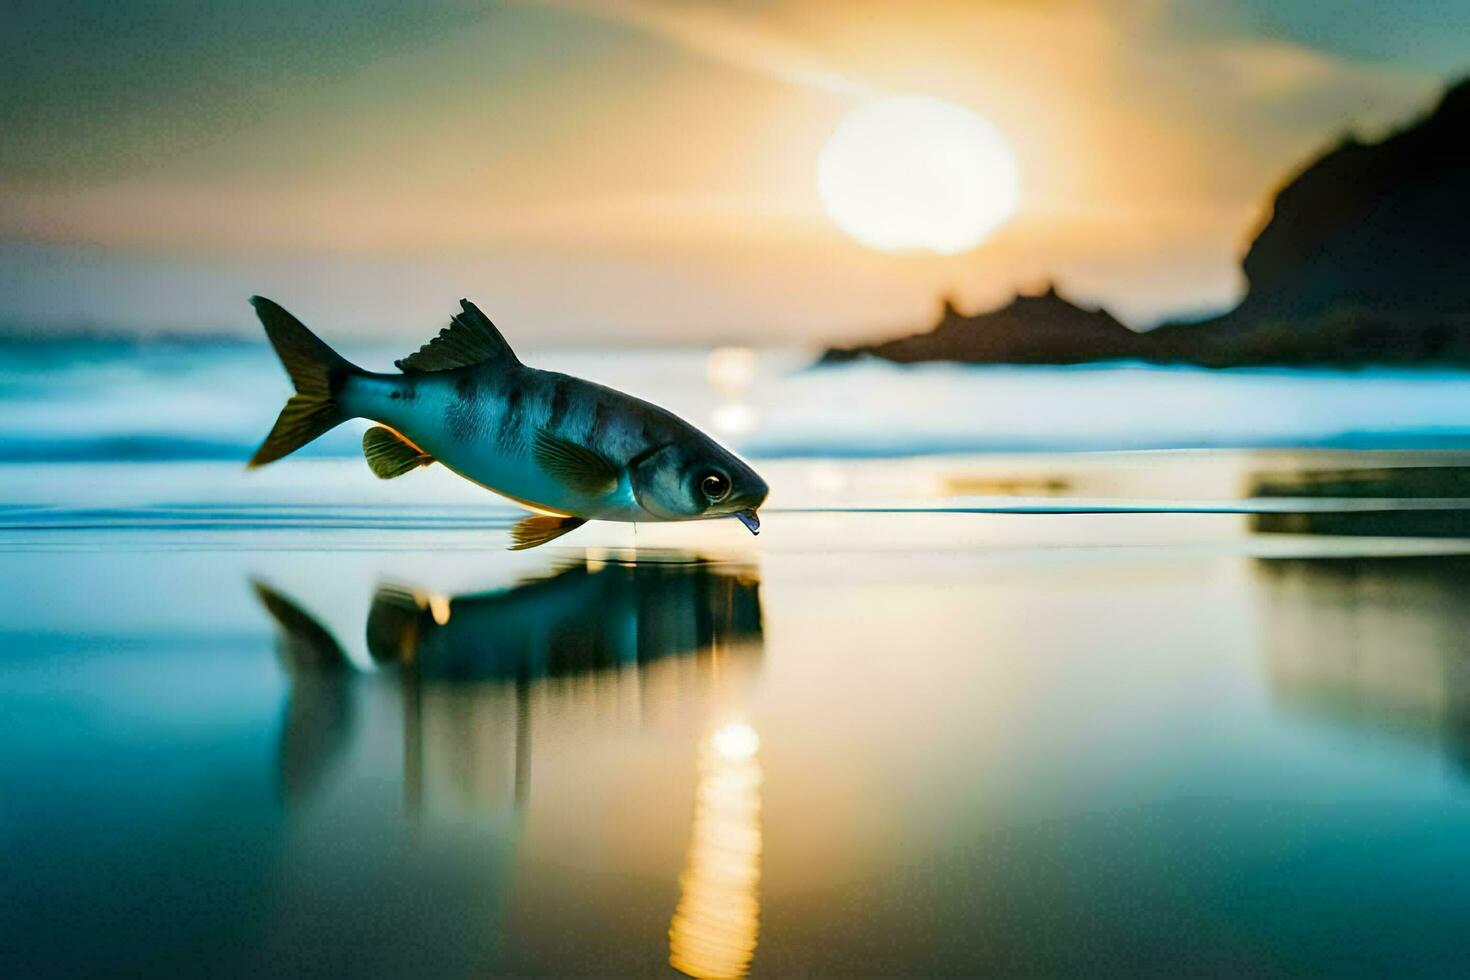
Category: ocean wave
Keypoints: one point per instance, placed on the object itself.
(83, 403)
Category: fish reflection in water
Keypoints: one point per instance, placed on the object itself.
(605, 620)
(588, 617)
(1378, 645)
(460, 675)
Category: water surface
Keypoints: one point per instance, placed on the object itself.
(300, 725)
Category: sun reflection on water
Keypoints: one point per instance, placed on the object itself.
(716, 924)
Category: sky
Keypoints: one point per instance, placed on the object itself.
(643, 171)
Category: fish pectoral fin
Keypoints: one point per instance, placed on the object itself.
(390, 454)
(572, 465)
(534, 531)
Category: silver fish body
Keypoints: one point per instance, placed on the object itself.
(482, 422)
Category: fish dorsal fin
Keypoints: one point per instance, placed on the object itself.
(469, 339)
(534, 531)
(390, 454)
(572, 465)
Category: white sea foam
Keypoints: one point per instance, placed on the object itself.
(99, 402)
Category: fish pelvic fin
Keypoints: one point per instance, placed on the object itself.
(390, 454)
(534, 531)
(317, 371)
(469, 339)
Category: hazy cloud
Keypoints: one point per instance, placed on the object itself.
(716, 32)
(661, 154)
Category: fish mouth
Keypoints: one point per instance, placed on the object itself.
(750, 519)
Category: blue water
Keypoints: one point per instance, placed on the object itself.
(1031, 714)
(860, 744)
(110, 401)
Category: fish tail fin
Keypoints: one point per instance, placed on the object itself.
(318, 373)
(304, 642)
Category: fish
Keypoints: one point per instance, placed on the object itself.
(566, 449)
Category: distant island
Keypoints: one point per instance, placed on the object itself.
(1365, 260)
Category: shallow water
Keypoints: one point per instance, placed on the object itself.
(306, 722)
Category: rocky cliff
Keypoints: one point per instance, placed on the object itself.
(1365, 259)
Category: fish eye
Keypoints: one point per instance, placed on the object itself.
(715, 486)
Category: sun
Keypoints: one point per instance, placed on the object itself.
(915, 173)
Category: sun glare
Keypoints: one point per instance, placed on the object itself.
(736, 741)
(917, 174)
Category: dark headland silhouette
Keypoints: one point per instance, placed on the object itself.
(1365, 260)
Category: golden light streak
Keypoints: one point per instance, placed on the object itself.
(716, 924)
(709, 30)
